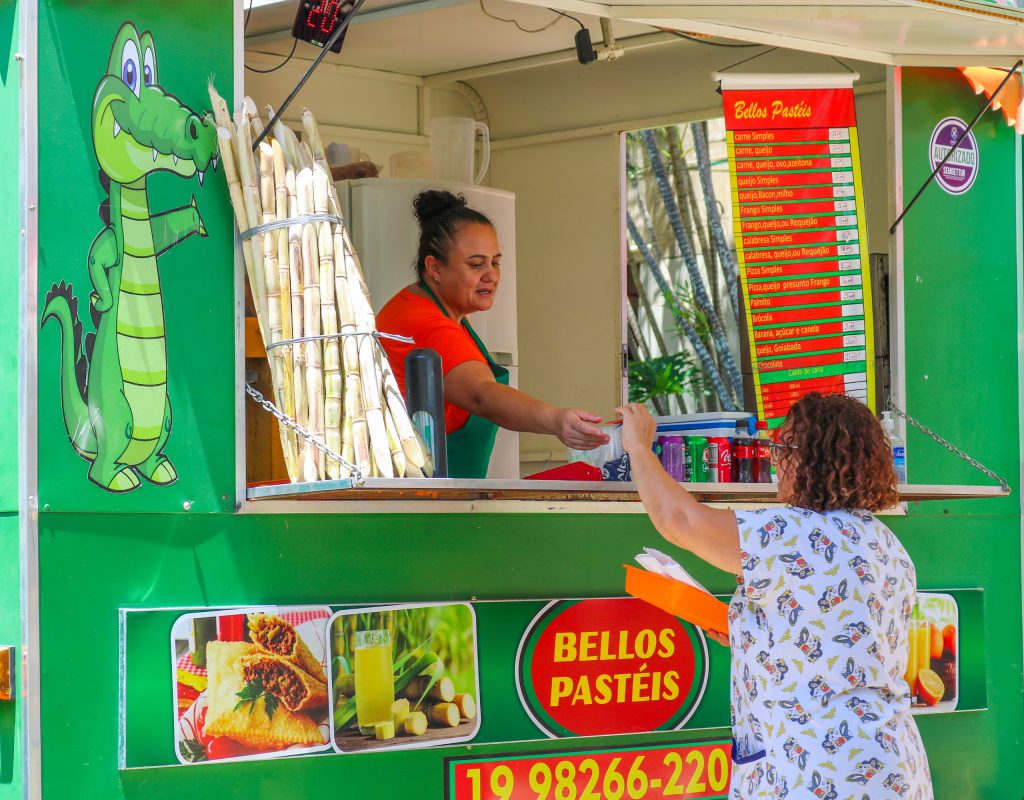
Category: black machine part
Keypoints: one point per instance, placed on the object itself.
(424, 396)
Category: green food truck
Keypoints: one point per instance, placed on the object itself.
(248, 564)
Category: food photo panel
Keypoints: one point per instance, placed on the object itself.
(403, 676)
(933, 665)
(250, 683)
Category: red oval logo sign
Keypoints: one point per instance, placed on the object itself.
(601, 667)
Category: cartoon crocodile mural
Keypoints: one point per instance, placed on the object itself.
(114, 384)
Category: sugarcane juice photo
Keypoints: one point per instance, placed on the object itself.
(375, 679)
(919, 657)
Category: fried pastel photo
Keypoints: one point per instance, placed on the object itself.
(249, 723)
(295, 688)
(273, 635)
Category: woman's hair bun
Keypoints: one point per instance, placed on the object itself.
(432, 203)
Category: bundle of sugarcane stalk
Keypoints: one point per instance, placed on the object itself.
(307, 285)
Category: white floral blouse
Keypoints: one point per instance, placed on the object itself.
(818, 627)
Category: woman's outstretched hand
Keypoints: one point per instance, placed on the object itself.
(578, 429)
(638, 428)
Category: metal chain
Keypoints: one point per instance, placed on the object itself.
(357, 474)
(948, 445)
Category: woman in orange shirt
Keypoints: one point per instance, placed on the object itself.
(458, 267)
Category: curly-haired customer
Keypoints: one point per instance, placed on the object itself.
(818, 625)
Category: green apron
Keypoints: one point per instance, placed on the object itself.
(469, 448)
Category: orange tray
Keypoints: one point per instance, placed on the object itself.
(677, 598)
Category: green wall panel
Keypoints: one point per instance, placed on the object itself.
(960, 283)
(92, 565)
(10, 245)
(95, 564)
(10, 346)
(962, 324)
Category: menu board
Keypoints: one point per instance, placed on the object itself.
(801, 243)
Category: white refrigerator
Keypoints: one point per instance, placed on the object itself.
(378, 213)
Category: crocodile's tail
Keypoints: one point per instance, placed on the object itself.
(60, 304)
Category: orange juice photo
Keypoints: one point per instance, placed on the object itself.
(920, 655)
(933, 666)
(374, 679)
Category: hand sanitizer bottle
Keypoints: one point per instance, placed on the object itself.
(899, 449)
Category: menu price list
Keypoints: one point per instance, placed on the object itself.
(683, 771)
(798, 220)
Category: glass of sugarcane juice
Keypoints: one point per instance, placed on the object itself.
(375, 679)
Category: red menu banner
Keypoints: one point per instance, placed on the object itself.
(801, 242)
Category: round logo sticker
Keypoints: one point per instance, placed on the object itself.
(600, 667)
(958, 173)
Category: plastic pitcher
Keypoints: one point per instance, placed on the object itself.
(453, 149)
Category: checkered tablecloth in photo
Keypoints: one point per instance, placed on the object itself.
(296, 618)
(185, 663)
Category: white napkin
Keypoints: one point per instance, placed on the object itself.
(655, 561)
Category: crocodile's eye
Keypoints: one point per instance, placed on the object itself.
(130, 66)
(148, 68)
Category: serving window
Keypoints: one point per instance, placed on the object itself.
(617, 295)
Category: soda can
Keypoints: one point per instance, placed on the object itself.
(672, 456)
(711, 460)
(697, 459)
(723, 461)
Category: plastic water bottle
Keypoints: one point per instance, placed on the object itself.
(896, 444)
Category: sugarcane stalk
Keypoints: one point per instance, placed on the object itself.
(329, 319)
(428, 466)
(366, 324)
(284, 136)
(371, 379)
(404, 428)
(253, 210)
(284, 290)
(275, 331)
(466, 705)
(221, 115)
(311, 322)
(363, 313)
(252, 116)
(305, 156)
(225, 143)
(311, 136)
(415, 724)
(298, 329)
(398, 459)
(442, 690)
(442, 715)
(354, 434)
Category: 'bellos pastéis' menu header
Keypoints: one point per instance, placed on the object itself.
(750, 113)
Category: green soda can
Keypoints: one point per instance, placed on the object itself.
(697, 459)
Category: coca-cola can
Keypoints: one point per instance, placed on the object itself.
(721, 471)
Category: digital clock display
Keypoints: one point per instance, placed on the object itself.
(316, 20)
